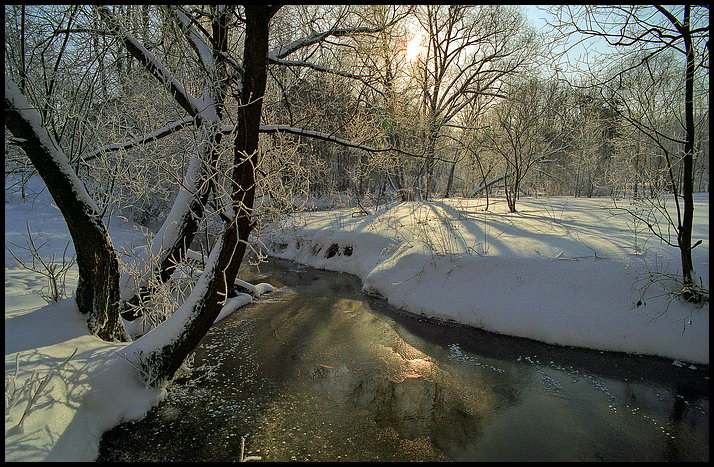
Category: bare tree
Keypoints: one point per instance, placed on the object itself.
(595, 137)
(469, 51)
(648, 32)
(526, 131)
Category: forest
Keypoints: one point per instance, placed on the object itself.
(212, 128)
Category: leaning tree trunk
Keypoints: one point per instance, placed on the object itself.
(198, 313)
(97, 292)
(179, 229)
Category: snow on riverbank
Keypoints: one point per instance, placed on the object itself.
(561, 270)
(81, 385)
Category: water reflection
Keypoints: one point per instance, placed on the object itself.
(318, 371)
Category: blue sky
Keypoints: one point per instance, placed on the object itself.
(536, 16)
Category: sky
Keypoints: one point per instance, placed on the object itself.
(538, 16)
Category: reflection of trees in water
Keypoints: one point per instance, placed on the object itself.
(367, 369)
(416, 407)
(417, 396)
(682, 403)
(363, 367)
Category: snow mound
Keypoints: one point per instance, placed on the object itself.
(562, 270)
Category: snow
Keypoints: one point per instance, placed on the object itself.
(255, 290)
(59, 159)
(561, 270)
(295, 45)
(313, 38)
(71, 412)
(69, 417)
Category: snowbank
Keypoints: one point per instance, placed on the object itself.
(65, 385)
(92, 392)
(561, 270)
(81, 386)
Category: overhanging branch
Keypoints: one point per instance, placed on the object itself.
(332, 139)
(151, 63)
(148, 138)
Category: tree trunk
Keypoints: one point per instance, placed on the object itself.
(203, 306)
(430, 149)
(97, 292)
(163, 356)
(182, 222)
(245, 150)
(684, 236)
(512, 192)
(637, 174)
(450, 179)
(23, 67)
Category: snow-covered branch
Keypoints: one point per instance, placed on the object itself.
(314, 66)
(199, 45)
(25, 123)
(152, 64)
(316, 37)
(482, 187)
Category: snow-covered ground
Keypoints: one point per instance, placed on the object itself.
(561, 270)
(88, 388)
(64, 387)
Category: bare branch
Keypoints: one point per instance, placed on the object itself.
(152, 64)
(148, 138)
(331, 138)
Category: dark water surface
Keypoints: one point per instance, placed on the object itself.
(318, 371)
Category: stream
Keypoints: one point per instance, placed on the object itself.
(318, 371)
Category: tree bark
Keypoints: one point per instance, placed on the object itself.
(450, 180)
(228, 252)
(245, 149)
(97, 292)
(684, 237)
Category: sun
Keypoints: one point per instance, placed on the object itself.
(414, 49)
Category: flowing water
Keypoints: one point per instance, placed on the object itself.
(317, 371)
